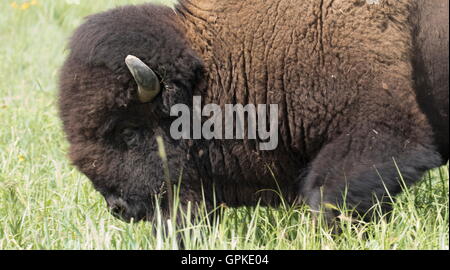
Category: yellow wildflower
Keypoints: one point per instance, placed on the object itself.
(21, 158)
(34, 2)
(25, 6)
(14, 5)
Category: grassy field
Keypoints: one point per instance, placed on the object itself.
(46, 204)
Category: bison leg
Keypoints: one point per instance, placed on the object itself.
(364, 164)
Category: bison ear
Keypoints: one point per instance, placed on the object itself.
(147, 81)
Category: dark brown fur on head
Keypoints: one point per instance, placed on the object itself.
(111, 134)
(349, 79)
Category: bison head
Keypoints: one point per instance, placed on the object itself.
(114, 105)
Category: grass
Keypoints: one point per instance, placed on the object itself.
(46, 204)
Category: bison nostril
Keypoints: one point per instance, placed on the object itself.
(124, 210)
(117, 206)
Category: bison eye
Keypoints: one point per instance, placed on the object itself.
(130, 136)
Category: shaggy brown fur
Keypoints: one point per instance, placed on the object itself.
(341, 72)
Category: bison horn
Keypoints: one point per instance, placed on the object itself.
(147, 81)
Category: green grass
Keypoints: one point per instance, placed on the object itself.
(46, 204)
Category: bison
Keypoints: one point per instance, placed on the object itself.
(361, 88)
